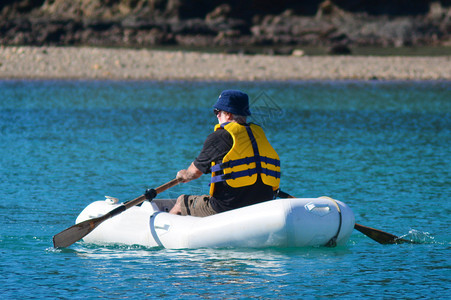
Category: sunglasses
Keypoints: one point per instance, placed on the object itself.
(216, 111)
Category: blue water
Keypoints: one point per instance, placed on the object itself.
(384, 148)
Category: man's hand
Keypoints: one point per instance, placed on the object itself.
(189, 174)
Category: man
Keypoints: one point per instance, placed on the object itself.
(245, 168)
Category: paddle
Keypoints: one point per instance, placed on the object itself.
(375, 234)
(76, 232)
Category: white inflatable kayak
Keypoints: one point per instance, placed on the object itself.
(294, 222)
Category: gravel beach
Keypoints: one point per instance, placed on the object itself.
(144, 64)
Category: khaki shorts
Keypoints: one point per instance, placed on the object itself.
(198, 206)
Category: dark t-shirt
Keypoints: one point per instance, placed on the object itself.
(216, 146)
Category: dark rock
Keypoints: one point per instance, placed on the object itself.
(234, 24)
(339, 49)
(329, 9)
(192, 27)
(221, 13)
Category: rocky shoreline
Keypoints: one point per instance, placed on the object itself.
(143, 64)
(237, 26)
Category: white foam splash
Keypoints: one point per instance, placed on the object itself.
(420, 237)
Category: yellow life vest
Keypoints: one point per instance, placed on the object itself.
(251, 155)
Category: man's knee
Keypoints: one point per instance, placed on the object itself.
(180, 199)
(177, 209)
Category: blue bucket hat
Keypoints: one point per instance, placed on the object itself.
(233, 101)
